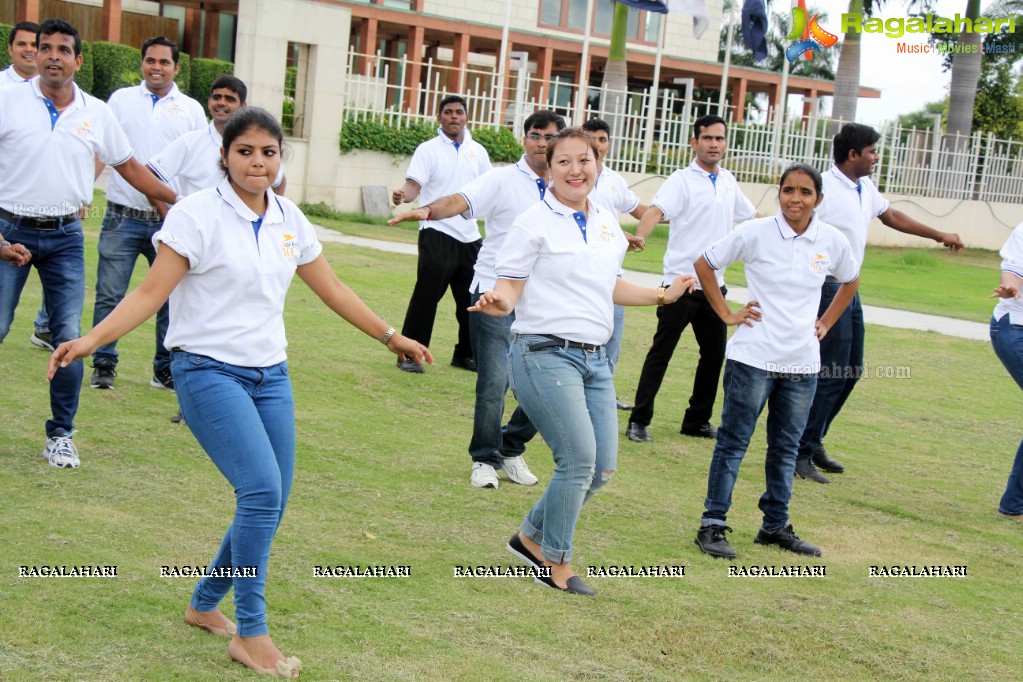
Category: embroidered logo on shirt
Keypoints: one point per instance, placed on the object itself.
(606, 233)
(289, 247)
(83, 129)
(820, 262)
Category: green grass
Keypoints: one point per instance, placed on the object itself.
(383, 479)
(922, 280)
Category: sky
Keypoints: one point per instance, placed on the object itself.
(907, 81)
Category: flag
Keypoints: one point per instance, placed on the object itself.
(659, 6)
(697, 9)
(754, 28)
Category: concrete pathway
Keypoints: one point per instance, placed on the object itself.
(886, 317)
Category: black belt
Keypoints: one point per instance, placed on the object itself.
(38, 223)
(558, 342)
(148, 214)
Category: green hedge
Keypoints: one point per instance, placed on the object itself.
(359, 132)
(86, 74)
(204, 72)
(184, 77)
(114, 66)
(5, 35)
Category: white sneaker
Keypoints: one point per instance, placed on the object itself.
(483, 476)
(517, 472)
(60, 451)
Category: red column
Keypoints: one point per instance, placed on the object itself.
(28, 10)
(212, 36)
(459, 60)
(544, 61)
(415, 67)
(111, 31)
(739, 100)
(368, 46)
(193, 30)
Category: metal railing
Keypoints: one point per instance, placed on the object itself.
(921, 162)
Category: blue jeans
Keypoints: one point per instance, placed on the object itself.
(747, 390)
(1007, 340)
(614, 344)
(244, 418)
(570, 397)
(490, 443)
(841, 368)
(59, 257)
(42, 321)
(120, 243)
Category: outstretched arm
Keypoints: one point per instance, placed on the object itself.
(501, 300)
(340, 298)
(144, 180)
(445, 207)
(897, 220)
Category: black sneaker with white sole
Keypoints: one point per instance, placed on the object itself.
(103, 377)
(42, 340)
(162, 379)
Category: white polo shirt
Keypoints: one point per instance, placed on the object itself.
(700, 211)
(11, 77)
(1012, 261)
(441, 168)
(570, 274)
(192, 162)
(613, 193)
(150, 126)
(500, 195)
(784, 274)
(850, 210)
(230, 304)
(48, 164)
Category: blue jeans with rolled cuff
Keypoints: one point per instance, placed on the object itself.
(1007, 340)
(747, 391)
(491, 443)
(244, 418)
(59, 257)
(568, 394)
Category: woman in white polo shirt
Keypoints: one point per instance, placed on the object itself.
(1007, 340)
(558, 270)
(231, 253)
(774, 356)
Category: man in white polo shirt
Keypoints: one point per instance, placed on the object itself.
(447, 246)
(153, 114)
(52, 133)
(612, 192)
(701, 201)
(499, 195)
(21, 46)
(851, 201)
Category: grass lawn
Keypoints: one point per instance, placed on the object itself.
(922, 280)
(382, 479)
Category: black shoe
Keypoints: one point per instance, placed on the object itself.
(409, 365)
(638, 433)
(824, 462)
(575, 585)
(516, 548)
(622, 405)
(786, 538)
(704, 430)
(711, 540)
(806, 469)
(162, 379)
(103, 377)
(42, 340)
(464, 363)
(179, 418)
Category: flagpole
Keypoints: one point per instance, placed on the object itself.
(648, 142)
(583, 87)
(728, 62)
(499, 82)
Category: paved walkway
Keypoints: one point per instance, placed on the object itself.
(886, 317)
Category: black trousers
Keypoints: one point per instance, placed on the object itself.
(711, 336)
(443, 262)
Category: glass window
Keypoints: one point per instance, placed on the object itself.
(633, 23)
(550, 12)
(577, 14)
(653, 27)
(602, 16)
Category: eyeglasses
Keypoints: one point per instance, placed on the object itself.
(536, 137)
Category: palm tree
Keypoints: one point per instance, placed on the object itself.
(965, 75)
(847, 76)
(616, 76)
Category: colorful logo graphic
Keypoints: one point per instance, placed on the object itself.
(809, 36)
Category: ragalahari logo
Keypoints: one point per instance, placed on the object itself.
(810, 37)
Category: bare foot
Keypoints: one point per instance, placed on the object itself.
(212, 621)
(260, 654)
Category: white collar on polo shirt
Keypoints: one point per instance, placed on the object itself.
(77, 103)
(466, 137)
(524, 166)
(837, 172)
(786, 231)
(274, 210)
(171, 94)
(699, 169)
(551, 201)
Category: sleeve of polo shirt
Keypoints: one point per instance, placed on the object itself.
(199, 121)
(480, 194)
(422, 166)
(112, 146)
(309, 246)
(518, 253)
(182, 232)
(1012, 252)
(728, 250)
(169, 163)
(880, 202)
(744, 208)
(671, 197)
(629, 200)
(844, 266)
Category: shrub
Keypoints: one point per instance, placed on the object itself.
(358, 131)
(184, 77)
(5, 34)
(111, 62)
(204, 72)
(85, 75)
